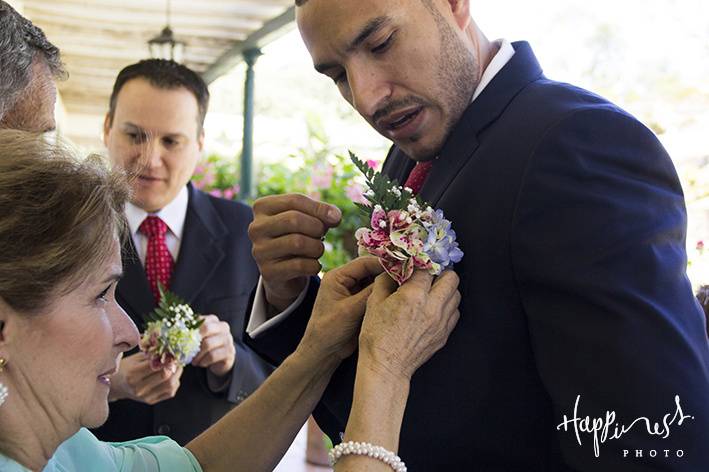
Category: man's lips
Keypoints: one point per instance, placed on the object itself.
(149, 178)
(402, 124)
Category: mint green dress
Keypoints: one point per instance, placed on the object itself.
(83, 452)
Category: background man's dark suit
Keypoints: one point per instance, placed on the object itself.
(215, 273)
(572, 220)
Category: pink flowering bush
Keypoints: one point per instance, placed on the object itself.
(315, 171)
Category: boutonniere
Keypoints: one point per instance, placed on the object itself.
(171, 338)
(405, 233)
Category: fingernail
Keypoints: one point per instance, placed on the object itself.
(334, 214)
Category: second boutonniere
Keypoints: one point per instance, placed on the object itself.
(171, 338)
(405, 233)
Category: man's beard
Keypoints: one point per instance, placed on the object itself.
(457, 81)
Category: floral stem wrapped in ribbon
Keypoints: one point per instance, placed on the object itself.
(171, 338)
(405, 232)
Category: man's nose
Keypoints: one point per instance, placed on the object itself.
(369, 91)
(152, 154)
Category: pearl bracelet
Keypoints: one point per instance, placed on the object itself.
(366, 449)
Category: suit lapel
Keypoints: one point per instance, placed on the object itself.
(460, 146)
(397, 165)
(133, 291)
(200, 248)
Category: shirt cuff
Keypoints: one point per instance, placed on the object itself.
(259, 322)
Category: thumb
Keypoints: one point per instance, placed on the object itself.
(382, 288)
(328, 214)
(358, 302)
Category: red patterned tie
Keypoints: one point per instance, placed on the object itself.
(158, 261)
(418, 175)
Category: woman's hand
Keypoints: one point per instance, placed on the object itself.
(403, 328)
(339, 306)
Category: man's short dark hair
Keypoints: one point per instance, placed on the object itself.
(21, 43)
(164, 74)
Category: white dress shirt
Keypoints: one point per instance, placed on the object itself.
(259, 322)
(173, 215)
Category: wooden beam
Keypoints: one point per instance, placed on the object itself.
(221, 7)
(269, 31)
(203, 35)
(117, 16)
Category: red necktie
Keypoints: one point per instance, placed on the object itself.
(418, 175)
(158, 261)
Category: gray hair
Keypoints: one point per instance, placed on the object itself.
(21, 43)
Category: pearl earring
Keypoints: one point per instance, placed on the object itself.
(3, 388)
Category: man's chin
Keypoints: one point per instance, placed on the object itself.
(148, 204)
(420, 151)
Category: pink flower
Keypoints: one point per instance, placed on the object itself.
(355, 192)
(379, 219)
(398, 270)
(216, 193)
(373, 242)
(322, 176)
(372, 164)
(228, 193)
(700, 245)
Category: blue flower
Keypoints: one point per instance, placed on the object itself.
(441, 245)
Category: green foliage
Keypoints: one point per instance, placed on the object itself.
(315, 170)
(218, 176)
(383, 192)
(163, 311)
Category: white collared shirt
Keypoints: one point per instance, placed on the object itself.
(173, 215)
(258, 321)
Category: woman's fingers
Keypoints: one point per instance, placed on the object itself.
(382, 288)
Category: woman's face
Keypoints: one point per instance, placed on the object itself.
(61, 359)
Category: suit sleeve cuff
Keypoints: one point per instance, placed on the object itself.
(218, 384)
(259, 322)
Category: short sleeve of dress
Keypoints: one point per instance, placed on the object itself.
(84, 451)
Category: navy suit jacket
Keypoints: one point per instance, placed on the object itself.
(215, 273)
(573, 283)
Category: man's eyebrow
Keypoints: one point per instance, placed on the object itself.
(132, 126)
(372, 26)
(369, 29)
(128, 126)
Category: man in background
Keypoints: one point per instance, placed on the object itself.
(194, 244)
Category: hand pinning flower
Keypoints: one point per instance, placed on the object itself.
(405, 233)
(171, 338)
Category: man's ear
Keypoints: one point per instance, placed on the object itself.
(200, 140)
(106, 129)
(461, 12)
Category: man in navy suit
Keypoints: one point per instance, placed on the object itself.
(154, 129)
(580, 345)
